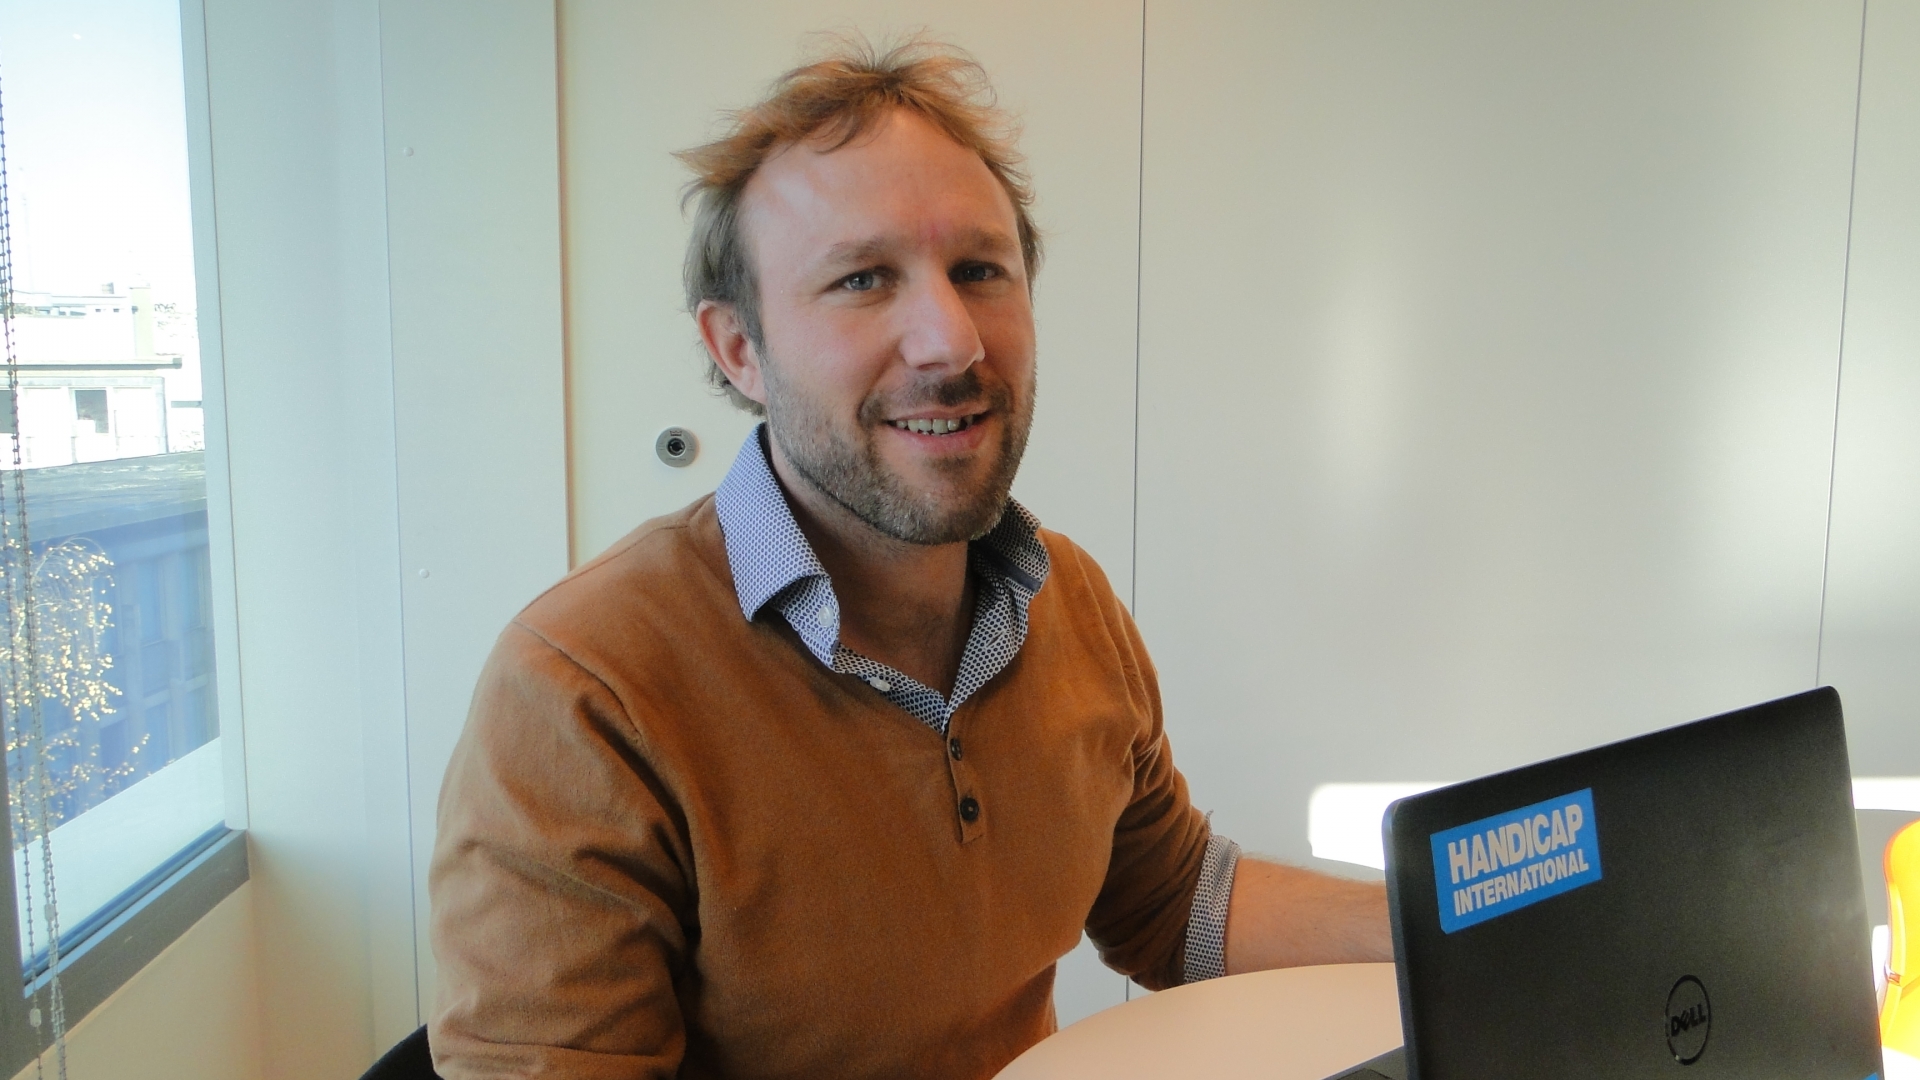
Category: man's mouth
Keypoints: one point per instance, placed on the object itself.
(937, 426)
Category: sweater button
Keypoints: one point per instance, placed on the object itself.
(953, 747)
(969, 810)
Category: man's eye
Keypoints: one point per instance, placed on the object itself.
(863, 281)
(976, 272)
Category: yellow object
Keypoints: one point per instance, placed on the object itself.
(1900, 1017)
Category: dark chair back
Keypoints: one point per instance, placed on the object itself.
(408, 1060)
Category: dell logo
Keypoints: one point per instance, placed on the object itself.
(1689, 1018)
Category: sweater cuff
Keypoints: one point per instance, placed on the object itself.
(1206, 952)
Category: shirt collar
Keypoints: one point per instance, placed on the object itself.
(768, 553)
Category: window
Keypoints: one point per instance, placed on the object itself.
(114, 769)
(90, 407)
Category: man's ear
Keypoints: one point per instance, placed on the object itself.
(730, 348)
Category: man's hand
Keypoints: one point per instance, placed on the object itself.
(1286, 916)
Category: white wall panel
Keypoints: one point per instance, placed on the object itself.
(640, 81)
(395, 402)
(1488, 373)
(1871, 648)
(479, 386)
(294, 107)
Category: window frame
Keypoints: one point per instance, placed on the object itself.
(151, 916)
(157, 910)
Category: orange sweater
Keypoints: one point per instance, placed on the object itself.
(671, 842)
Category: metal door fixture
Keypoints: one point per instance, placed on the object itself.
(677, 447)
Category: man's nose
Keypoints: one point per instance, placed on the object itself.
(939, 332)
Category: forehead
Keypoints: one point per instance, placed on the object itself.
(903, 182)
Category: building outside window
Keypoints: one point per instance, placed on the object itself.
(108, 435)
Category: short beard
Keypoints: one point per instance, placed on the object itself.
(846, 467)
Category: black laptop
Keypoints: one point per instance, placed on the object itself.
(1685, 904)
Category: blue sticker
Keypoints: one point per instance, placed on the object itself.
(1508, 861)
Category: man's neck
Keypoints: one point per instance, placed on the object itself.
(909, 606)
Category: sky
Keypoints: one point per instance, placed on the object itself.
(96, 151)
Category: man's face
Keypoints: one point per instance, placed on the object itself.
(898, 360)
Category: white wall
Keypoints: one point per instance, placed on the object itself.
(190, 1014)
(1514, 336)
(1512, 332)
(473, 213)
(1872, 628)
(295, 126)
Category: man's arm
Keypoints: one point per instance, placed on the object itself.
(1286, 916)
(560, 897)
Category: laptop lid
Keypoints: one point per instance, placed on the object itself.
(1683, 904)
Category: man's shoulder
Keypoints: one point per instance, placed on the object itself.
(671, 568)
(1077, 603)
(1072, 571)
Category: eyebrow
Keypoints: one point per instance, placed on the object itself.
(853, 252)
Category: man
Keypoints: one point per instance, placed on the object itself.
(822, 774)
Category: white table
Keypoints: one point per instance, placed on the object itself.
(1294, 1024)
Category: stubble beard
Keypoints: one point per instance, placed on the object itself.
(847, 468)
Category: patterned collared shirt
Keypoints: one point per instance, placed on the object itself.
(774, 568)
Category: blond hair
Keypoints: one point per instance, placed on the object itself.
(834, 100)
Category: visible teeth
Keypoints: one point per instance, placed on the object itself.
(933, 427)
